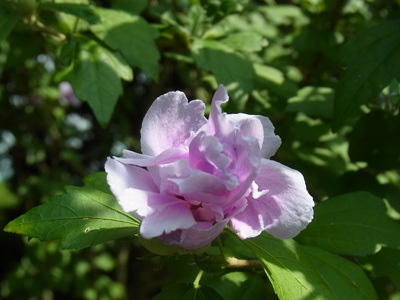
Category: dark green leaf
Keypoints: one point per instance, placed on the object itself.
(7, 21)
(355, 224)
(301, 272)
(83, 11)
(386, 263)
(68, 52)
(186, 291)
(132, 36)
(312, 101)
(95, 78)
(274, 80)
(371, 58)
(212, 264)
(134, 7)
(82, 217)
(373, 140)
(239, 286)
(229, 68)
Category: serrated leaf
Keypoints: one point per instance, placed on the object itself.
(82, 217)
(95, 78)
(371, 58)
(229, 68)
(83, 11)
(302, 272)
(355, 224)
(7, 21)
(132, 36)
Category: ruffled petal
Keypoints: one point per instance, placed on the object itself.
(259, 127)
(169, 121)
(142, 160)
(179, 178)
(121, 177)
(216, 115)
(169, 215)
(283, 211)
(200, 235)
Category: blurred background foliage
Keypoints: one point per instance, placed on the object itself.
(293, 61)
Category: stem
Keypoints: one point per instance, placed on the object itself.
(50, 31)
(221, 248)
(196, 282)
(235, 263)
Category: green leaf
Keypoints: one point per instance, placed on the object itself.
(239, 286)
(386, 263)
(186, 291)
(355, 224)
(83, 11)
(132, 36)
(95, 78)
(82, 217)
(274, 80)
(302, 272)
(372, 140)
(229, 68)
(371, 58)
(7, 21)
(134, 7)
(246, 41)
(313, 101)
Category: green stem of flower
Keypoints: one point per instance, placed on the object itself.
(49, 30)
(196, 282)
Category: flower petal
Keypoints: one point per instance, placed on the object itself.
(142, 160)
(259, 127)
(214, 120)
(200, 235)
(131, 186)
(170, 214)
(169, 121)
(121, 177)
(284, 211)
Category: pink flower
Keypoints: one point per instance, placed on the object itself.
(196, 176)
(67, 95)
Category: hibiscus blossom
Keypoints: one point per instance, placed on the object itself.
(195, 176)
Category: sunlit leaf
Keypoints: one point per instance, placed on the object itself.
(82, 217)
(132, 36)
(302, 272)
(229, 68)
(274, 80)
(354, 223)
(95, 78)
